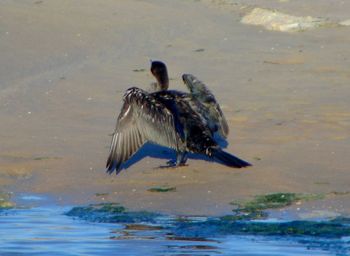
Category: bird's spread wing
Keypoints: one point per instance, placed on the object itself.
(141, 119)
(201, 93)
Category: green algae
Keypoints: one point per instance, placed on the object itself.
(5, 202)
(188, 228)
(101, 194)
(244, 221)
(237, 216)
(139, 70)
(273, 201)
(111, 213)
(162, 189)
(326, 229)
(255, 209)
(341, 220)
(41, 158)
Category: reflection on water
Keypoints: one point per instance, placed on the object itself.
(47, 231)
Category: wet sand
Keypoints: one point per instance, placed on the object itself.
(65, 65)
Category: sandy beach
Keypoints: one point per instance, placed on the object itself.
(65, 65)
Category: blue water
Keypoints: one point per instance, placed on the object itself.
(47, 231)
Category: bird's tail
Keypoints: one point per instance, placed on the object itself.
(228, 159)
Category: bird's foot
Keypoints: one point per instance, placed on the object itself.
(172, 164)
(169, 164)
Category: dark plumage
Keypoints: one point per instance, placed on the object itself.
(142, 118)
(160, 72)
(210, 108)
(168, 118)
(201, 99)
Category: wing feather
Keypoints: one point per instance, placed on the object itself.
(141, 119)
(212, 112)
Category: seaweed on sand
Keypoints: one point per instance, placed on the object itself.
(255, 209)
(111, 213)
(5, 201)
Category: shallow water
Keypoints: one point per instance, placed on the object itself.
(48, 231)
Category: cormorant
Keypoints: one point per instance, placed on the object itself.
(168, 118)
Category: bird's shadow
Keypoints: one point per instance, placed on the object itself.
(161, 152)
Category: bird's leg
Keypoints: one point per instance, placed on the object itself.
(181, 158)
(170, 163)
